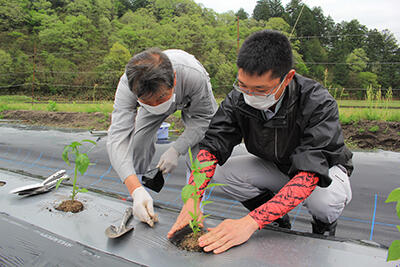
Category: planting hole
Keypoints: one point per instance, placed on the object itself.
(2, 183)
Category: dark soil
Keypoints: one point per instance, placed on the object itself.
(373, 135)
(186, 240)
(190, 242)
(70, 206)
(358, 135)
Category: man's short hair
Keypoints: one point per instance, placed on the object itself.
(149, 72)
(264, 51)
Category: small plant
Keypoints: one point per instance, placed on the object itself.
(52, 106)
(374, 129)
(361, 130)
(192, 192)
(394, 249)
(81, 164)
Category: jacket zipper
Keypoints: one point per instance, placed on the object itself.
(276, 144)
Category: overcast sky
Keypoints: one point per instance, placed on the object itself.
(382, 14)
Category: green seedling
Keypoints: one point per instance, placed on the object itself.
(374, 129)
(52, 106)
(192, 192)
(82, 162)
(394, 249)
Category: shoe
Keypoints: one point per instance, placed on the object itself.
(253, 203)
(319, 227)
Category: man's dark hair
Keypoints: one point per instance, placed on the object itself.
(266, 50)
(149, 72)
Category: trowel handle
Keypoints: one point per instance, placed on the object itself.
(125, 218)
(54, 176)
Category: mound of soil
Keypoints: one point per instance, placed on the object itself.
(186, 240)
(358, 135)
(73, 206)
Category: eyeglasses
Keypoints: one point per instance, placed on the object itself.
(255, 92)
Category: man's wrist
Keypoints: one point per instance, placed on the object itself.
(132, 183)
(253, 224)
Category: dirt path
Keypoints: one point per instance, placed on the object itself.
(363, 134)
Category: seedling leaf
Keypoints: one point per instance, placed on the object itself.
(394, 196)
(59, 182)
(192, 215)
(199, 179)
(75, 144)
(206, 202)
(394, 251)
(65, 154)
(214, 184)
(83, 190)
(398, 209)
(398, 228)
(206, 164)
(205, 216)
(89, 141)
(187, 191)
(82, 162)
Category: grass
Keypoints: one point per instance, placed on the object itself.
(347, 115)
(355, 103)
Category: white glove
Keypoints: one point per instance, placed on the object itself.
(168, 160)
(143, 206)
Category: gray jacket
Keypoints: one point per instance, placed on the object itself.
(193, 96)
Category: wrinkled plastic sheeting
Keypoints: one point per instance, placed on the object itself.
(149, 246)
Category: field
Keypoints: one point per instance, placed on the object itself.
(365, 124)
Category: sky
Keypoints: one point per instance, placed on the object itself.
(380, 15)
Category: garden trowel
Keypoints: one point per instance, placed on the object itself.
(114, 232)
(38, 188)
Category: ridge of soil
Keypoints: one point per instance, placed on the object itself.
(358, 135)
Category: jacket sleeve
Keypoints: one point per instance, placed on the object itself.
(198, 114)
(224, 132)
(120, 133)
(322, 140)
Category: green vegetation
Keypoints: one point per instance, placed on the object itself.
(394, 249)
(374, 129)
(81, 164)
(79, 49)
(192, 192)
(52, 106)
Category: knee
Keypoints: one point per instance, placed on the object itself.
(325, 206)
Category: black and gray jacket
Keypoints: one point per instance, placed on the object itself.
(304, 135)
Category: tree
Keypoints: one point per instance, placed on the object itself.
(278, 24)
(368, 79)
(5, 68)
(266, 9)
(111, 69)
(242, 14)
(357, 60)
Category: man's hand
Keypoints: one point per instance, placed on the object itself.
(168, 160)
(143, 206)
(184, 217)
(227, 234)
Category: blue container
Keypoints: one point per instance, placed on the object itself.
(162, 132)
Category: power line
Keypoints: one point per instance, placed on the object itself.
(345, 63)
(15, 85)
(76, 86)
(337, 35)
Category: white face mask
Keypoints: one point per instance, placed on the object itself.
(260, 102)
(161, 108)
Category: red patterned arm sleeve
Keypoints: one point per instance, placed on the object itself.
(291, 195)
(204, 156)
